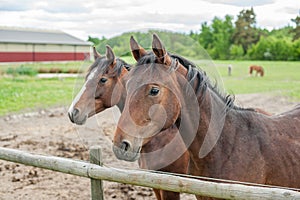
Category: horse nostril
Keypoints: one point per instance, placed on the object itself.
(125, 146)
(72, 114)
(70, 117)
(75, 112)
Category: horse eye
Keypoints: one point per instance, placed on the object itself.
(154, 91)
(103, 80)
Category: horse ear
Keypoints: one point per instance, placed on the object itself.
(136, 50)
(96, 53)
(110, 56)
(159, 50)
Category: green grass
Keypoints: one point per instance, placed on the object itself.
(25, 93)
(281, 78)
(64, 66)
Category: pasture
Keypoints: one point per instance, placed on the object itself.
(281, 78)
(24, 93)
(19, 93)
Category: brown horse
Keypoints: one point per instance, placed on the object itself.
(259, 70)
(224, 141)
(104, 88)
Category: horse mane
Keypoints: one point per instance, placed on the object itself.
(200, 82)
(197, 78)
(103, 64)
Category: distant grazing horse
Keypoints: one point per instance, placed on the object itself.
(259, 70)
(104, 88)
(224, 141)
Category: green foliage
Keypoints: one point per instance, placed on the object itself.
(216, 38)
(245, 32)
(236, 52)
(22, 70)
(296, 49)
(223, 40)
(96, 41)
(206, 36)
(178, 43)
(282, 33)
(296, 31)
(271, 48)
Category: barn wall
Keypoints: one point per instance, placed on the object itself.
(42, 52)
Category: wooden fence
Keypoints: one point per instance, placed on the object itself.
(147, 179)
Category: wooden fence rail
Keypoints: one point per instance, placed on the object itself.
(147, 179)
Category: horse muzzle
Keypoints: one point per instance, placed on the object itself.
(76, 117)
(125, 152)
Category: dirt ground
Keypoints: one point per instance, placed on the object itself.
(50, 132)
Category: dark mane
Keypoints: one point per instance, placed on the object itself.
(196, 77)
(185, 62)
(200, 82)
(102, 63)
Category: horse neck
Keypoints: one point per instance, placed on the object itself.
(213, 110)
(211, 123)
(217, 125)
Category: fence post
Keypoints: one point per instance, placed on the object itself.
(96, 185)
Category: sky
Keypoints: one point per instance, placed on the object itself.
(98, 18)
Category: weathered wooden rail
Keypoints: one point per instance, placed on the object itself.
(147, 179)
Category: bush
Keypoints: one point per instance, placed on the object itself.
(236, 52)
(271, 48)
(22, 70)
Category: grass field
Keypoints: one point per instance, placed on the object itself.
(25, 93)
(281, 78)
(21, 93)
(64, 66)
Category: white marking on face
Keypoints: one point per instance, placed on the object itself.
(78, 96)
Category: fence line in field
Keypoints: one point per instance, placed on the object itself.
(147, 179)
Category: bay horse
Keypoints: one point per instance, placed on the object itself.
(224, 141)
(259, 70)
(104, 88)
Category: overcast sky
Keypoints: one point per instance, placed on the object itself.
(112, 17)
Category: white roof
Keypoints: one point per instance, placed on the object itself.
(34, 36)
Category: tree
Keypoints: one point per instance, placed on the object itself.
(272, 48)
(296, 31)
(246, 33)
(216, 38)
(236, 52)
(296, 50)
(96, 41)
(205, 36)
(222, 31)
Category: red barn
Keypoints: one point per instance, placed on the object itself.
(29, 45)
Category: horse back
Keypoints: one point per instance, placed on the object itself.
(281, 149)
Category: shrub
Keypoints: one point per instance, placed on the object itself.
(22, 70)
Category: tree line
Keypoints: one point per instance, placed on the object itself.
(242, 39)
(223, 39)
(178, 43)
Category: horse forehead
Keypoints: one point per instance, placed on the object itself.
(137, 82)
(93, 74)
